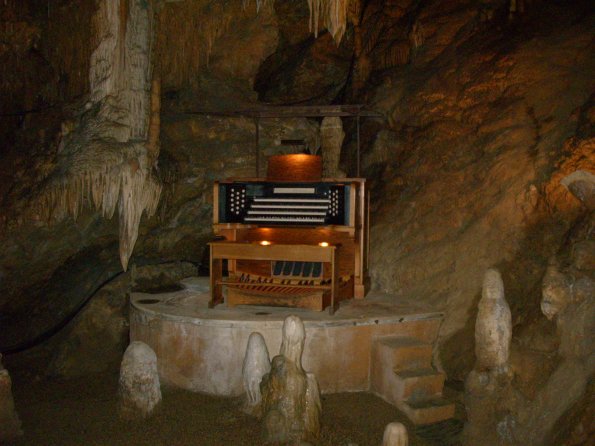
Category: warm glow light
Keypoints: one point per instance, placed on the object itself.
(265, 243)
(323, 244)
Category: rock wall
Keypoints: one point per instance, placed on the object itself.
(48, 270)
(478, 126)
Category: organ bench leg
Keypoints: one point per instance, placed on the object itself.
(334, 282)
(216, 273)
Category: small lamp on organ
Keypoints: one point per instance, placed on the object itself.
(323, 244)
(264, 242)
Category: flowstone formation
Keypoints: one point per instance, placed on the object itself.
(395, 434)
(139, 390)
(290, 397)
(256, 365)
(10, 425)
(107, 158)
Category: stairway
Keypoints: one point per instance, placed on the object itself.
(402, 374)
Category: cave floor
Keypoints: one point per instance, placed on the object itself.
(83, 411)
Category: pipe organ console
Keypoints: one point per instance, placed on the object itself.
(300, 244)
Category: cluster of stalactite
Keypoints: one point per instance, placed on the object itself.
(106, 159)
(386, 44)
(126, 185)
(187, 32)
(332, 13)
(193, 27)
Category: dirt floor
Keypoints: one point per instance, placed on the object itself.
(84, 412)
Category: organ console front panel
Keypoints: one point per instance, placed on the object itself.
(299, 243)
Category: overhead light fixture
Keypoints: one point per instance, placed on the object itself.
(265, 243)
(323, 244)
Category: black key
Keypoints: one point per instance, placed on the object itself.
(297, 268)
(277, 268)
(287, 268)
(307, 269)
(317, 269)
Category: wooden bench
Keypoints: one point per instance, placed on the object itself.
(304, 296)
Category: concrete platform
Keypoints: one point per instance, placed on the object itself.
(202, 349)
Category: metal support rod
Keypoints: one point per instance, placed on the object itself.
(358, 153)
(257, 147)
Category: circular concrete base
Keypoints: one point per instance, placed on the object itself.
(202, 349)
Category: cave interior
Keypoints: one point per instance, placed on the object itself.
(478, 149)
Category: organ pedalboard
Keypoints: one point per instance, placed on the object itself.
(300, 244)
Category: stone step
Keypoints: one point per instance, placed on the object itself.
(428, 411)
(418, 385)
(406, 353)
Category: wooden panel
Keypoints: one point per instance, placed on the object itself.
(255, 251)
(311, 301)
(216, 203)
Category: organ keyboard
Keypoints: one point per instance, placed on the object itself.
(277, 236)
(298, 203)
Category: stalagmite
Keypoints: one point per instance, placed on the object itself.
(493, 328)
(10, 425)
(139, 387)
(395, 434)
(332, 135)
(489, 383)
(291, 399)
(256, 365)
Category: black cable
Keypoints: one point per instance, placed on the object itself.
(45, 335)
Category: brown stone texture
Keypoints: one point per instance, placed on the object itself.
(466, 175)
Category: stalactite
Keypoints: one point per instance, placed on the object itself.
(416, 35)
(192, 27)
(334, 15)
(259, 4)
(107, 161)
(336, 18)
(139, 192)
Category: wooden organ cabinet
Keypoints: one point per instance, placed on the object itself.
(297, 243)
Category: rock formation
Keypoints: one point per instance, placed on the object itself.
(139, 391)
(493, 327)
(291, 401)
(569, 300)
(10, 425)
(106, 160)
(256, 365)
(498, 407)
(332, 135)
(489, 381)
(395, 434)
